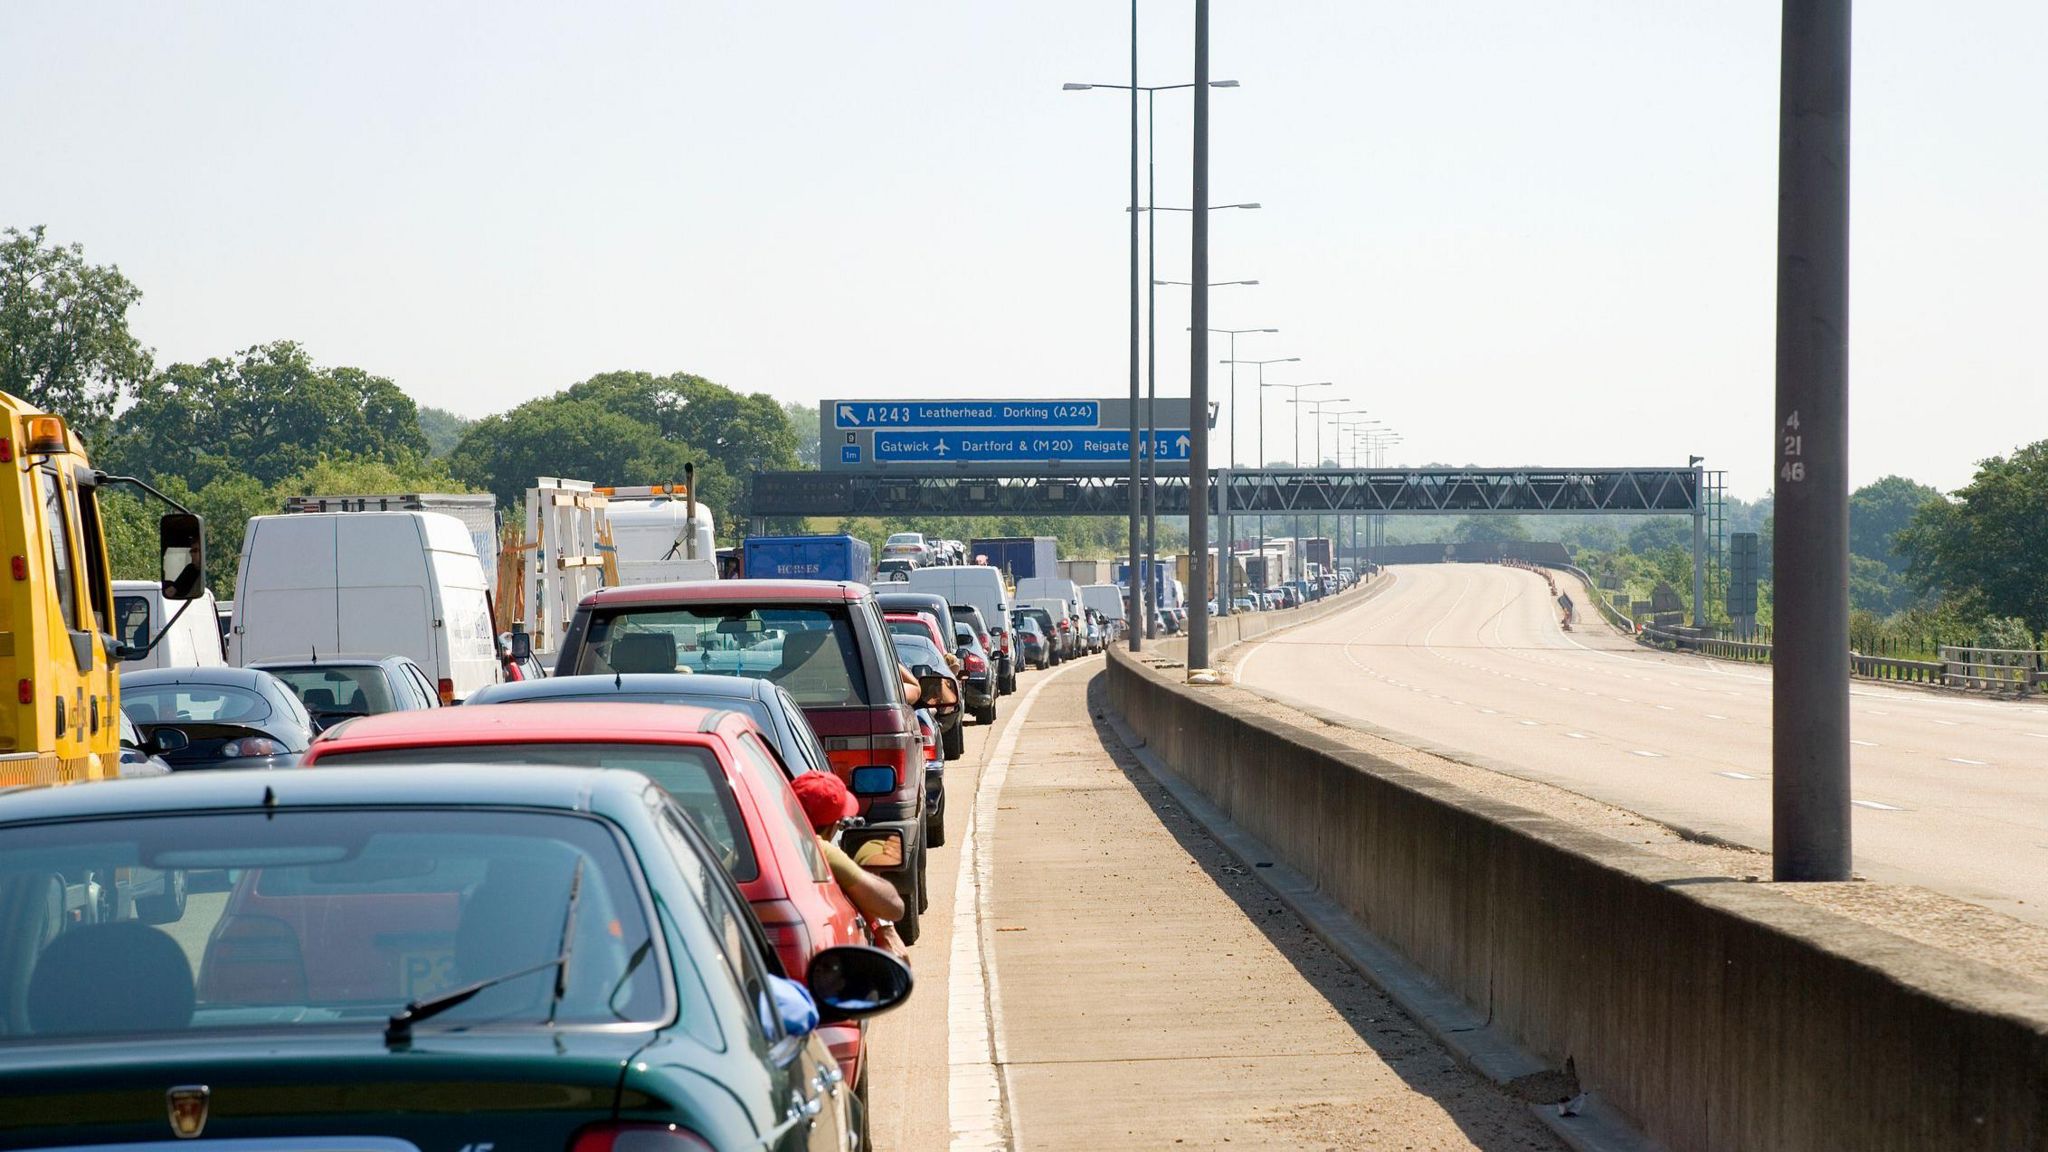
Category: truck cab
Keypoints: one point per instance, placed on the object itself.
(57, 620)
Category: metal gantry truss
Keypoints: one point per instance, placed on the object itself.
(1385, 491)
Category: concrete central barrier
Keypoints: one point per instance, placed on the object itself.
(1719, 1015)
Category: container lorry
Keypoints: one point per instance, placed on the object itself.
(807, 558)
(1019, 557)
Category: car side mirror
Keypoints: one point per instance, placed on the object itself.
(853, 982)
(167, 740)
(181, 541)
(522, 645)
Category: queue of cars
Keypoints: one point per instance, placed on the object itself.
(610, 863)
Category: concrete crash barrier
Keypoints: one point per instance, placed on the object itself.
(1719, 1015)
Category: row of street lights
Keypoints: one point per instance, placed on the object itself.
(1144, 553)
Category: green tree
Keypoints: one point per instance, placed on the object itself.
(741, 433)
(1985, 546)
(582, 440)
(64, 339)
(803, 424)
(1879, 511)
(442, 429)
(1489, 530)
(266, 413)
(1661, 532)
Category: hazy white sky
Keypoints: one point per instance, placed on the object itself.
(1520, 233)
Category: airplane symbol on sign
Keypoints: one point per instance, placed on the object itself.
(941, 449)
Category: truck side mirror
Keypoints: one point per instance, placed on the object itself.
(182, 541)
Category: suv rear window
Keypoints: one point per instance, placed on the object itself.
(811, 651)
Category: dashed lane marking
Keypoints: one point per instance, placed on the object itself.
(1970, 762)
(1646, 752)
(1736, 775)
(1876, 805)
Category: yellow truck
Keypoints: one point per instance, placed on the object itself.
(61, 720)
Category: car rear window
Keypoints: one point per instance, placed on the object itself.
(689, 772)
(330, 918)
(150, 704)
(811, 651)
(338, 690)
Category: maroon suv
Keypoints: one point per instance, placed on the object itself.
(824, 642)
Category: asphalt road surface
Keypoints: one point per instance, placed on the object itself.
(1951, 791)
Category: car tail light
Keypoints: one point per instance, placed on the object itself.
(447, 687)
(788, 932)
(974, 663)
(926, 732)
(252, 746)
(637, 1138)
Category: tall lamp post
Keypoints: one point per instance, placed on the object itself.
(1150, 478)
(1259, 453)
(1294, 518)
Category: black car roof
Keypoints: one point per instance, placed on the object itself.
(251, 678)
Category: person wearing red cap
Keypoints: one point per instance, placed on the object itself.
(826, 802)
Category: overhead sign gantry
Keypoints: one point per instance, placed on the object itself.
(999, 437)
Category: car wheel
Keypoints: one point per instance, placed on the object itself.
(935, 822)
(908, 927)
(953, 741)
(924, 891)
(986, 715)
(167, 907)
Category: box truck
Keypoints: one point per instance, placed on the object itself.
(807, 558)
(1020, 557)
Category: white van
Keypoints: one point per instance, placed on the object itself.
(1106, 599)
(982, 587)
(192, 642)
(1036, 587)
(367, 584)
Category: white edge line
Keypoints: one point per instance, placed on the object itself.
(977, 1092)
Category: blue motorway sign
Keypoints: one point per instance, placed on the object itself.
(1012, 445)
(966, 414)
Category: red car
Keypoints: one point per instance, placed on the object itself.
(716, 764)
(825, 643)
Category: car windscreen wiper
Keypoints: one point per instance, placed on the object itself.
(398, 1029)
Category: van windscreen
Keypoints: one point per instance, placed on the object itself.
(809, 650)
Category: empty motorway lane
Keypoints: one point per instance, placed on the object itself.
(1951, 791)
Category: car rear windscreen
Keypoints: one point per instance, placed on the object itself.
(689, 772)
(810, 651)
(329, 918)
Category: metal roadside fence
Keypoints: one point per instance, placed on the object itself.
(2017, 670)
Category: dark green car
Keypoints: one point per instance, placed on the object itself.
(456, 959)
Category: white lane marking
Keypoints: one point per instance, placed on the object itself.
(1660, 707)
(1949, 723)
(1864, 743)
(1876, 805)
(1530, 723)
(1715, 716)
(1576, 736)
(2039, 735)
(1646, 752)
(1971, 763)
(1736, 775)
(1482, 711)
(976, 1053)
(1877, 712)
